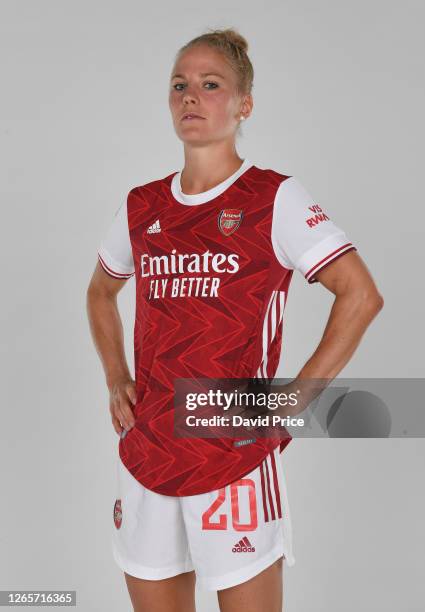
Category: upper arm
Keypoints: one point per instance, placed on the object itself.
(102, 282)
(349, 274)
(115, 256)
(115, 252)
(303, 235)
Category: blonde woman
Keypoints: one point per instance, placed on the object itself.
(213, 248)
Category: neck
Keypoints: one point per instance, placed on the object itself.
(206, 167)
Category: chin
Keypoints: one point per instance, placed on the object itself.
(194, 139)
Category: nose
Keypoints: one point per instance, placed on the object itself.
(189, 95)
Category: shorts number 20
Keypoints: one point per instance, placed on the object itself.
(234, 496)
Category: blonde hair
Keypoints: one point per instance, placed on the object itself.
(234, 48)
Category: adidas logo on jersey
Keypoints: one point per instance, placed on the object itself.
(155, 228)
(243, 545)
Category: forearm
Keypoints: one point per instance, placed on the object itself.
(108, 336)
(350, 316)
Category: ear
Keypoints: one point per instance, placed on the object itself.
(247, 105)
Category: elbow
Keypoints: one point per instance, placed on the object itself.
(373, 302)
(380, 302)
(377, 301)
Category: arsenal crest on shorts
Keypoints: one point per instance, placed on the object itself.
(117, 514)
(229, 220)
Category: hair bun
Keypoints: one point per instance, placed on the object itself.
(236, 39)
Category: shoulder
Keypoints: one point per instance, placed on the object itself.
(152, 186)
(274, 177)
(267, 181)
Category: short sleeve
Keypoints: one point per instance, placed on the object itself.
(115, 253)
(303, 236)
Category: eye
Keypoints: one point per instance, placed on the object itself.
(180, 86)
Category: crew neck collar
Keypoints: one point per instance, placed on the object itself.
(206, 196)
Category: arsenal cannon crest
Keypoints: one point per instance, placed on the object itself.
(229, 220)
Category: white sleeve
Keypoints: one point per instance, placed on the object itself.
(303, 236)
(115, 253)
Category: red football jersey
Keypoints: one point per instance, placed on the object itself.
(212, 275)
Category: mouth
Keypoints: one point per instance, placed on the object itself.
(190, 117)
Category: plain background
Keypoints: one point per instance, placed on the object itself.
(339, 99)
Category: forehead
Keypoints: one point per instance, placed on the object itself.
(201, 60)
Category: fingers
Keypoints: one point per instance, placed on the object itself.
(116, 424)
(124, 414)
(122, 402)
(131, 392)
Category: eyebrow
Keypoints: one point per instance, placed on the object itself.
(202, 74)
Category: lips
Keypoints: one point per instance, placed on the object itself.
(190, 116)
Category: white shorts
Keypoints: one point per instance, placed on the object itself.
(227, 536)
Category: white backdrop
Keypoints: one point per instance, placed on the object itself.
(338, 103)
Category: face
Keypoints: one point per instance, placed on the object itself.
(202, 82)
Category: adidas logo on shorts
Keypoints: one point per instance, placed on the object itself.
(243, 545)
(155, 228)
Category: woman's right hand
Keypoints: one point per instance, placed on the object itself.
(122, 399)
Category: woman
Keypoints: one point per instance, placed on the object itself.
(213, 249)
